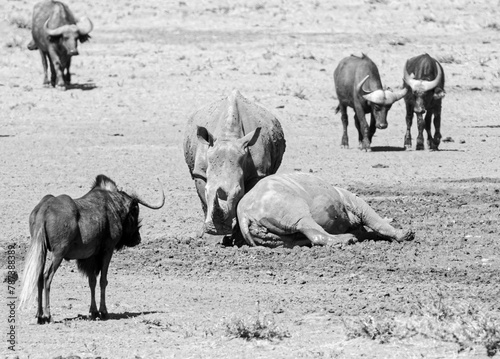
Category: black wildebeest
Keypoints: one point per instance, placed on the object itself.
(55, 34)
(424, 79)
(358, 85)
(87, 229)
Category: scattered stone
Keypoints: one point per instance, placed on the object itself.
(448, 139)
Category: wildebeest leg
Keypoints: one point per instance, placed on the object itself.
(49, 275)
(46, 82)
(200, 189)
(420, 137)
(428, 124)
(103, 282)
(41, 281)
(363, 130)
(437, 124)
(344, 118)
(409, 122)
(93, 305)
(318, 236)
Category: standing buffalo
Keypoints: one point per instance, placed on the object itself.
(87, 229)
(302, 209)
(229, 146)
(358, 85)
(55, 34)
(424, 79)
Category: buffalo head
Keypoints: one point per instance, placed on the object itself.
(225, 177)
(423, 90)
(380, 101)
(67, 35)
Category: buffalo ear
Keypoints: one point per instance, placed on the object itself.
(250, 138)
(438, 93)
(54, 38)
(204, 136)
(84, 38)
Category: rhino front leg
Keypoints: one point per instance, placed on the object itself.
(200, 189)
(367, 216)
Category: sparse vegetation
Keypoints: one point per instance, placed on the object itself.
(20, 21)
(255, 328)
(438, 318)
(493, 26)
(448, 59)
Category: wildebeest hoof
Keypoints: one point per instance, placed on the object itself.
(44, 320)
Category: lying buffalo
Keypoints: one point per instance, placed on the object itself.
(358, 85)
(87, 229)
(229, 146)
(424, 79)
(302, 209)
(56, 33)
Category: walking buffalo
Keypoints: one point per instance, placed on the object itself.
(229, 146)
(302, 209)
(56, 33)
(424, 79)
(358, 85)
(87, 229)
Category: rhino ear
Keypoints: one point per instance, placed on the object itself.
(250, 138)
(204, 136)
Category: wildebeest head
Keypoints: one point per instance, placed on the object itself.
(67, 35)
(225, 177)
(380, 101)
(126, 208)
(422, 90)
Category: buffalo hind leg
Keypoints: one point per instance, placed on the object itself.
(345, 123)
(409, 122)
(48, 276)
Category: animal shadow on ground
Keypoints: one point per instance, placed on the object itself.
(84, 87)
(111, 316)
(387, 149)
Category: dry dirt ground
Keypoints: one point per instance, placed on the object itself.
(147, 66)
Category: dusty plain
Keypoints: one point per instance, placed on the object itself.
(148, 65)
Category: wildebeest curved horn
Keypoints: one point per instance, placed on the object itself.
(84, 25)
(422, 84)
(154, 206)
(55, 32)
(391, 97)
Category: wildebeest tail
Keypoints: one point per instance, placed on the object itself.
(34, 265)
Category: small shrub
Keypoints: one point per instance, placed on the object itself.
(21, 22)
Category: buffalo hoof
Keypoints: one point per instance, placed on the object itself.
(94, 315)
(420, 147)
(103, 315)
(61, 87)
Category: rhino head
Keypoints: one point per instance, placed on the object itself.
(225, 173)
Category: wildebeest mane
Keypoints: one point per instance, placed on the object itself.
(105, 183)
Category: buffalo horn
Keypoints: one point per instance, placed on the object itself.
(376, 96)
(391, 97)
(422, 84)
(57, 31)
(84, 25)
(154, 206)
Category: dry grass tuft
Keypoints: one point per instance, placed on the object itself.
(436, 317)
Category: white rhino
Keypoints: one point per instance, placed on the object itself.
(302, 209)
(229, 146)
